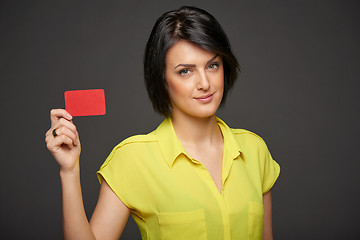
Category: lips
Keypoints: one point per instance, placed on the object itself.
(205, 98)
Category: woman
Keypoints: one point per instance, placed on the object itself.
(191, 178)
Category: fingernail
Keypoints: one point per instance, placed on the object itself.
(69, 116)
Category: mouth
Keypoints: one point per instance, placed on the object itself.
(205, 98)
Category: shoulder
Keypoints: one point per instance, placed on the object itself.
(242, 133)
(131, 148)
(135, 145)
(137, 140)
(244, 138)
(245, 133)
(247, 138)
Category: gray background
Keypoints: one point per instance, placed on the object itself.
(298, 90)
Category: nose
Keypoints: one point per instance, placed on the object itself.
(203, 82)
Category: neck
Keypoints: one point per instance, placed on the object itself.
(196, 131)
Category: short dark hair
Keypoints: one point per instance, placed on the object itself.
(196, 26)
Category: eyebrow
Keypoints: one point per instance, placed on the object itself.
(193, 65)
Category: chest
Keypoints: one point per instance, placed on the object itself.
(189, 196)
(189, 185)
(211, 158)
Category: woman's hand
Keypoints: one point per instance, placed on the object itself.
(62, 140)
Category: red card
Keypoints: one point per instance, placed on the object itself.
(85, 102)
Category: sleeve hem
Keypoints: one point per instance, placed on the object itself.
(277, 173)
(101, 177)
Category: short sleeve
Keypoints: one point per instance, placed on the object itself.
(116, 171)
(270, 169)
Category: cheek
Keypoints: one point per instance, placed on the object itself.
(175, 90)
(221, 89)
(172, 89)
(220, 81)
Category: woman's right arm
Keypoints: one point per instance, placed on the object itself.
(110, 215)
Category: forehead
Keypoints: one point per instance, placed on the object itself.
(185, 52)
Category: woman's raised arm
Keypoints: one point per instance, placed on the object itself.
(110, 215)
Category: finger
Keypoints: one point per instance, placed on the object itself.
(64, 123)
(66, 126)
(54, 145)
(48, 132)
(67, 132)
(47, 138)
(56, 114)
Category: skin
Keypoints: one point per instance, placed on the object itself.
(267, 228)
(110, 215)
(192, 72)
(195, 79)
(195, 82)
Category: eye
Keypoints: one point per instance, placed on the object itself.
(214, 65)
(184, 72)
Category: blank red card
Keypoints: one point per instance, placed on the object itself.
(85, 102)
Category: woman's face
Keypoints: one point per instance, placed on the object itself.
(195, 80)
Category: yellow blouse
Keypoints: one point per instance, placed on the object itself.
(172, 196)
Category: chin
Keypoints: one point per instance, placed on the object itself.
(197, 111)
(204, 113)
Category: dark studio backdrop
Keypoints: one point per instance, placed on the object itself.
(298, 90)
